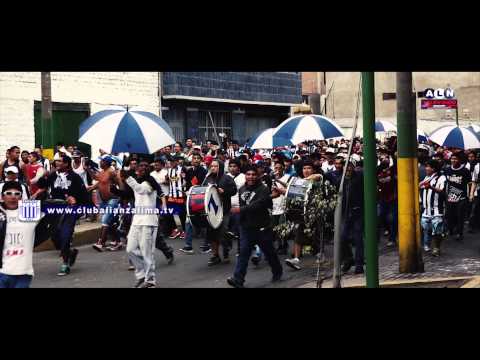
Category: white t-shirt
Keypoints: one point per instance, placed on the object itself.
(18, 248)
(239, 181)
(279, 203)
(145, 198)
(326, 167)
(81, 172)
(159, 177)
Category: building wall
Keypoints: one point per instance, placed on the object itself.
(341, 103)
(278, 87)
(19, 90)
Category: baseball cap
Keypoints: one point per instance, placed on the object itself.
(12, 169)
(424, 147)
(77, 154)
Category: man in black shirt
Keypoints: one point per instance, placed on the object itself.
(64, 184)
(458, 178)
(255, 228)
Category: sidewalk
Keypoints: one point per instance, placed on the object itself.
(85, 233)
(458, 263)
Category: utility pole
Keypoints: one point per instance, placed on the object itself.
(370, 178)
(47, 122)
(408, 207)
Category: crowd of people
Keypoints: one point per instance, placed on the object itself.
(252, 186)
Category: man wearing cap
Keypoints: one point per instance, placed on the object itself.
(13, 159)
(11, 174)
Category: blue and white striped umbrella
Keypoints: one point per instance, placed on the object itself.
(422, 136)
(456, 137)
(265, 140)
(303, 128)
(384, 126)
(124, 130)
(474, 128)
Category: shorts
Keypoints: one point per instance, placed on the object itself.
(108, 206)
(434, 224)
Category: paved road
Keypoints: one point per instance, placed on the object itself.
(109, 270)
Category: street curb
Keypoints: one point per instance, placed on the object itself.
(474, 283)
(84, 234)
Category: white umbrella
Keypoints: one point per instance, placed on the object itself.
(455, 137)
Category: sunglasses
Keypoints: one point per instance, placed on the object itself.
(13, 193)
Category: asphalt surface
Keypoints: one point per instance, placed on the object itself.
(109, 270)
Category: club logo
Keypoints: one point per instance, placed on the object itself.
(29, 210)
(213, 204)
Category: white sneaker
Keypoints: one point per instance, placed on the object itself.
(427, 248)
(294, 263)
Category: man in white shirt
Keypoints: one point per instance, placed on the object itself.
(11, 174)
(143, 231)
(278, 210)
(17, 240)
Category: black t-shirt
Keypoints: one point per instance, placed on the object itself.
(64, 185)
(457, 183)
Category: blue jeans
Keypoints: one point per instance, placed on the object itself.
(248, 239)
(62, 236)
(107, 218)
(432, 226)
(189, 235)
(15, 281)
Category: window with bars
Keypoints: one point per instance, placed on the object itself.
(212, 123)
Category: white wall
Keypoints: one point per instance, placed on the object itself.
(19, 90)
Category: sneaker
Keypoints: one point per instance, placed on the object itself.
(346, 266)
(214, 260)
(234, 283)
(255, 260)
(294, 263)
(99, 247)
(436, 252)
(118, 246)
(131, 268)
(206, 250)
(390, 244)
(427, 248)
(139, 283)
(175, 234)
(170, 259)
(64, 270)
(359, 270)
(182, 235)
(187, 250)
(73, 257)
(147, 285)
(386, 233)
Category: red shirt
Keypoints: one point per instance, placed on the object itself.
(386, 185)
(31, 172)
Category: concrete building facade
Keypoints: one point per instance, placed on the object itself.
(75, 95)
(340, 103)
(198, 105)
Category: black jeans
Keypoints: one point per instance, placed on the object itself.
(456, 216)
(474, 221)
(248, 239)
(352, 234)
